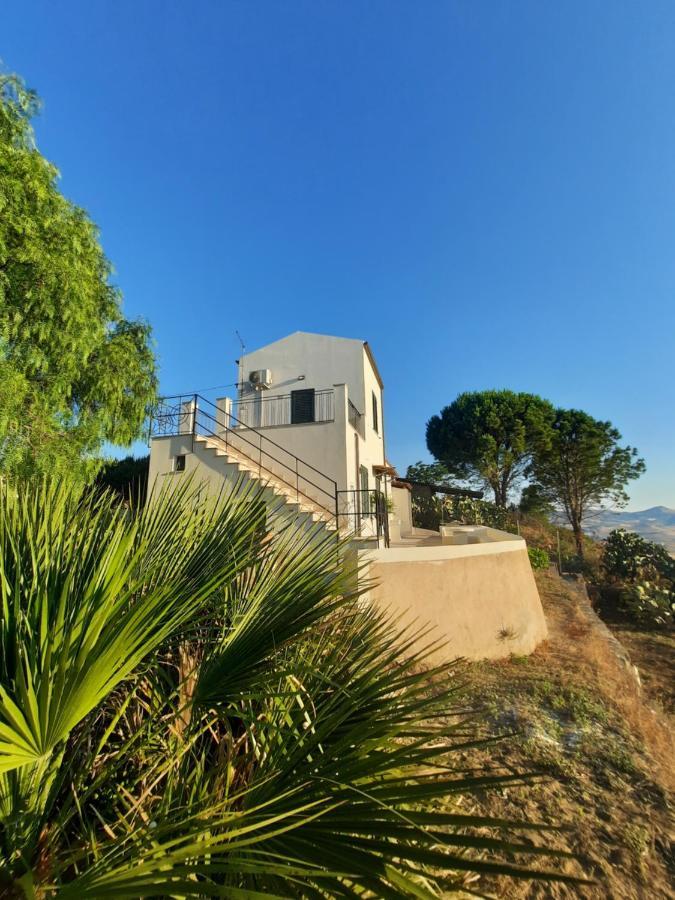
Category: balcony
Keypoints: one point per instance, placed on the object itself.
(297, 408)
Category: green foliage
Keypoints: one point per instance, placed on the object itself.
(648, 573)
(628, 556)
(429, 473)
(74, 372)
(534, 502)
(539, 559)
(488, 437)
(128, 477)
(188, 708)
(431, 509)
(427, 506)
(477, 512)
(650, 604)
(579, 464)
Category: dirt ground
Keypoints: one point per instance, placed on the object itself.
(606, 750)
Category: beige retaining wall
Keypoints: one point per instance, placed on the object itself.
(481, 598)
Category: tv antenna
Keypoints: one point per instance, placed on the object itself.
(240, 363)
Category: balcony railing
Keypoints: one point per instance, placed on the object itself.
(264, 412)
(356, 419)
(194, 416)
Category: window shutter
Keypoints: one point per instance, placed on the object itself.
(302, 406)
(375, 418)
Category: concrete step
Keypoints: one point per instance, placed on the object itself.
(277, 486)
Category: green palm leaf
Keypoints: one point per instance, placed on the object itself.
(193, 706)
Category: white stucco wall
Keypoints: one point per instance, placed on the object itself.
(481, 600)
(213, 474)
(326, 362)
(203, 467)
(322, 359)
(321, 445)
(372, 448)
(402, 503)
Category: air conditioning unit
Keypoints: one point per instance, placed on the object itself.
(261, 379)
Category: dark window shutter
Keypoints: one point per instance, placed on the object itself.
(375, 418)
(302, 406)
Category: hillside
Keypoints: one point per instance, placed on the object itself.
(655, 524)
(601, 745)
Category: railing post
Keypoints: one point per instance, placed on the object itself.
(385, 519)
(223, 417)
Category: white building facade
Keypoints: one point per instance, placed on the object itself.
(306, 427)
(308, 412)
(320, 397)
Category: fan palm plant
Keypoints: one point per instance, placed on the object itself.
(193, 706)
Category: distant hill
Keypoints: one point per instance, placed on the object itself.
(656, 524)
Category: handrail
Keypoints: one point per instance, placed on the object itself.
(361, 504)
(264, 437)
(269, 440)
(196, 410)
(278, 409)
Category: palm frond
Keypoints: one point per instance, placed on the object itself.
(193, 705)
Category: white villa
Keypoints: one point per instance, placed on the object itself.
(308, 423)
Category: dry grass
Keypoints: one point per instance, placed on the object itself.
(654, 655)
(581, 646)
(579, 717)
(541, 533)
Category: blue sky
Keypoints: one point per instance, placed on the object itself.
(485, 191)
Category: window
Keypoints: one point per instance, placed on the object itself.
(180, 463)
(376, 424)
(302, 406)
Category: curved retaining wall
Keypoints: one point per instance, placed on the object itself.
(481, 599)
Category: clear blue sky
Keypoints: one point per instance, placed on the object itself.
(485, 191)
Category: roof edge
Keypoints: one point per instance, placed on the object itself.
(371, 358)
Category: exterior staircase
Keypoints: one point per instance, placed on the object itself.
(227, 449)
(295, 502)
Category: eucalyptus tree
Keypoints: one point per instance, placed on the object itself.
(193, 707)
(74, 372)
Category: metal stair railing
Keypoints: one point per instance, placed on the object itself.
(190, 415)
(365, 514)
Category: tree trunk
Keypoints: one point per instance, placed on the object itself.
(500, 492)
(578, 539)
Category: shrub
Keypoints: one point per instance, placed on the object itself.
(426, 508)
(128, 477)
(650, 605)
(539, 559)
(533, 502)
(478, 512)
(187, 709)
(627, 556)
